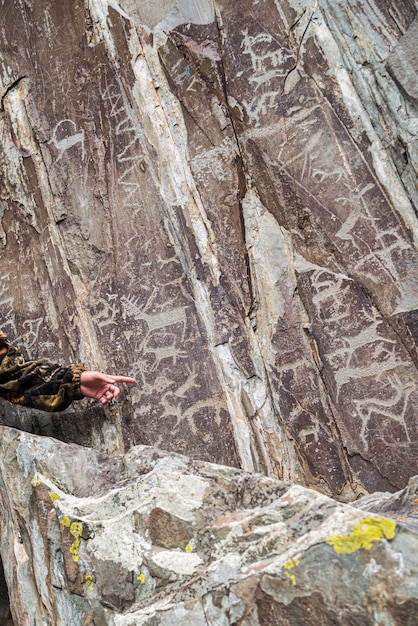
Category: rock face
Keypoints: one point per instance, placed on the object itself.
(166, 540)
(220, 199)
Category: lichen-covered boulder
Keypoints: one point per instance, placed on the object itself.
(220, 199)
(155, 539)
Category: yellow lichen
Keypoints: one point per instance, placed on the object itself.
(290, 564)
(364, 534)
(188, 548)
(89, 582)
(141, 579)
(35, 482)
(74, 549)
(291, 577)
(54, 496)
(76, 529)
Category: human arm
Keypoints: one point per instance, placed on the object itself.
(37, 384)
(49, 386)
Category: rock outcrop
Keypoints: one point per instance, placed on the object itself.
(154, 539)
(221, 200)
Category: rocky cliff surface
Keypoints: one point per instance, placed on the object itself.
(220, 199)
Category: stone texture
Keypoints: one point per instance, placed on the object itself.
(219, 199)
(83, 536)
(402, 505)
(372, 401)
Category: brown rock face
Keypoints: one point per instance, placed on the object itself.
(219, 199)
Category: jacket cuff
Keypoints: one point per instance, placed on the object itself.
(77, 369)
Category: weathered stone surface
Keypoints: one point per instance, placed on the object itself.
(371, 380)
(83, 536)
(402, 505)
(403, 61)
(219, 199)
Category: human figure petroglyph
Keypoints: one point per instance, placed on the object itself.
(67, 141)
(31, 336)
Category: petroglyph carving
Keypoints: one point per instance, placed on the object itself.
(156, 320)
(357, 217)
(184, 78)
(173, 407)
(161, 353)
(128, 134)
(360, 349)
(6, 299)
(170, 132)
(30, 337)
(190, 383)
(107, 311)
(63, 140)
(7, 306)
(212, 162)
(270, 63)
(264, 51)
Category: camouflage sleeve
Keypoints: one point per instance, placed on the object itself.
(37, 384)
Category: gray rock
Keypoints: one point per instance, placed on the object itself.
(202, 195)
(403, 61)
(83, 538)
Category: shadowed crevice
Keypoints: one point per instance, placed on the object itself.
(5, 615)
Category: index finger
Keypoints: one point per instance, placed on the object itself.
(123, 379)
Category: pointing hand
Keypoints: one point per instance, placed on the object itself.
(100, 386)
